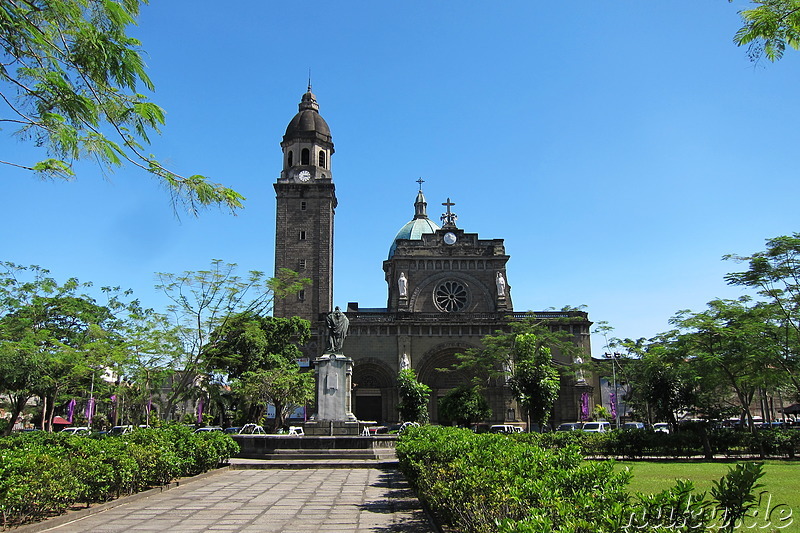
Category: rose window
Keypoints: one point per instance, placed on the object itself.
(450, 296)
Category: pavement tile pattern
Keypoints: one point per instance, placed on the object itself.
(277, 500)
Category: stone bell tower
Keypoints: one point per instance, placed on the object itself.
(306, 202)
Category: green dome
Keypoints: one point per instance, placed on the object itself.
(418, 226)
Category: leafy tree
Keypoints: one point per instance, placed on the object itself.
(204, 302)
(523, 358)
(151, 343)
(414, 397)
(248, 342)
(464, 406)
(69, 79)
(51, 336)
(260, 354)
(661, 382)
(283, 386)
(534, 379)
(775, 275)
(727, 344)
(769, 27)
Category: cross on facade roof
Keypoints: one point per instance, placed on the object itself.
(420, 181)
(449, 219)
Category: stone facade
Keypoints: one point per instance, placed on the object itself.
(447, 289)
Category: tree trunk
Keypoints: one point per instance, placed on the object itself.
(44, 412)
(17, 405)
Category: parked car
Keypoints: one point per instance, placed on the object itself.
(661, 427)
(570, 426)
(119, 430)
(207, 429)
(233, 430)
(633, 425)
(596, 427)
(78, 430)
(505, 428)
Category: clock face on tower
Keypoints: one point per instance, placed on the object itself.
(449, 238)
(304, 176)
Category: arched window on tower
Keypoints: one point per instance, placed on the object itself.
(322, 158)
(290, 158)
(304, 156)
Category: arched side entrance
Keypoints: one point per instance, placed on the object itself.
(373, 390)
(441, 382)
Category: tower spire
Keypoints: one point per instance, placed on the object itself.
(420, 205)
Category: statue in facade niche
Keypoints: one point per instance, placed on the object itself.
(337, 324)
(579, 373)
(405, 362)
(402, 285)
(501, 284)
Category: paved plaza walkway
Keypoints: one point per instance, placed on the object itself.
(268, 500)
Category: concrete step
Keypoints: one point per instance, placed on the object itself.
(300, 464)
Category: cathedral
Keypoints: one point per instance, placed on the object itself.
(446, 288)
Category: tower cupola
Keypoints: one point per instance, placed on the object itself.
(307, 145)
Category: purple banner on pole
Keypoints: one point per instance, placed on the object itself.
(71, 409)
(585, 406)
(90, 410)
(200, 411)
(613, 397)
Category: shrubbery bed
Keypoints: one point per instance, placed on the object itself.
(43, 474)
(518, 483)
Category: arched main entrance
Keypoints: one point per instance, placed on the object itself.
(373, 390)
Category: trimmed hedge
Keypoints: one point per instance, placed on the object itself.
(44, 474)
(691, 441)
(489, 483)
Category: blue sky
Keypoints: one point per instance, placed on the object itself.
(619, 148)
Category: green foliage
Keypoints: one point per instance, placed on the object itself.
(205, 302)
(249, 342)
(769, 27)
(523, 360)
(534, 379)
(464, 406)
(487, 483)
(775, 275)
(259, 354)
(414, 397)
(283, 385)
(70, 79)
(43, 474)
(677, 508)
(730, 347)
(53, 336)
(733, 494)
(533, 483)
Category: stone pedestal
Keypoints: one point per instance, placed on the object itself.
(334, 416)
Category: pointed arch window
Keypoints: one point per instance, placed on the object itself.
(304, 156)
(322, 158)
(290, 158)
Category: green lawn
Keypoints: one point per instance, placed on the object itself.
(781, 482)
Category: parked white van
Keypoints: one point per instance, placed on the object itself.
(505, 428)
(597, 427)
